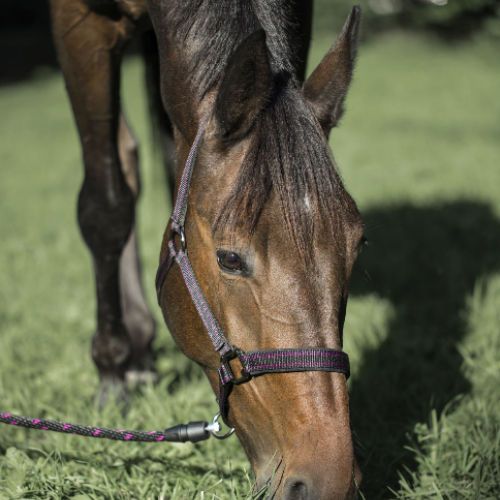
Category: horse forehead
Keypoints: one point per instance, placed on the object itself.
(330, 231)
(327, 248)
(295, 293)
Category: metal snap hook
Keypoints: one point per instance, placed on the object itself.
(214, 428)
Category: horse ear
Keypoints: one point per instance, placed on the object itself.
(245, 88)
(327, 86)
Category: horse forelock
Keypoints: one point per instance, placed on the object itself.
(288, 156)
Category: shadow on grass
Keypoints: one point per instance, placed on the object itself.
(425, 261)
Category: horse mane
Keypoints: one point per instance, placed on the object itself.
(288, 154)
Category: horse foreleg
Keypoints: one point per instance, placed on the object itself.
(89, 47)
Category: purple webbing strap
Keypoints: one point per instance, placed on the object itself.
(181, 202)
(212, 326)
(178, 218)
(287, 360)
(162, 271)
(179, 211)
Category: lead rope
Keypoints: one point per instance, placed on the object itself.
(192, 431)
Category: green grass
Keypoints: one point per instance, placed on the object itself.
(419, 150)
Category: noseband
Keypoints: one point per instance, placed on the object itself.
(251, 363)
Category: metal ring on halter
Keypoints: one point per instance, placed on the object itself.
(177, 230)
(214, 429)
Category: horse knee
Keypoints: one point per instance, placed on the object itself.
(106, 214)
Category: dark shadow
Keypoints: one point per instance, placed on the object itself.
(26, 46)
(425, 260)
(25, 40)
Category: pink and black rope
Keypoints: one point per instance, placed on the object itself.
(174, 434)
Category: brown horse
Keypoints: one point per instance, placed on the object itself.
(272, 232)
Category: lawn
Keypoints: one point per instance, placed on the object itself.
(419, 150)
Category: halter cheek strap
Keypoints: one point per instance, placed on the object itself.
(253, 363)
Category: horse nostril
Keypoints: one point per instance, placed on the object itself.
(296, 489)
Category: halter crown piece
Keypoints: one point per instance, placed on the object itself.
(252, 363)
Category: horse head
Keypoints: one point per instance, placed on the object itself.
(272, 235)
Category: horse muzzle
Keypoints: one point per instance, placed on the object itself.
(296, 432)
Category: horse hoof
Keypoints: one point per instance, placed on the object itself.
(112, 389)
(136, 377)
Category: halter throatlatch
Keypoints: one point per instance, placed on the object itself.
(250, 364)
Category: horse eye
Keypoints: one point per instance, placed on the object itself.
(230, 262)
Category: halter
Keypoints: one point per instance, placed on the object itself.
(251, 363)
